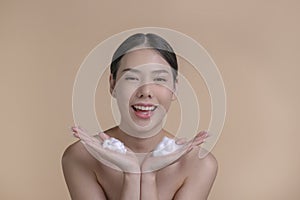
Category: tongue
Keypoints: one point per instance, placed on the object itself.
(144, 114)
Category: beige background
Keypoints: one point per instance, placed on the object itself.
(254, 43)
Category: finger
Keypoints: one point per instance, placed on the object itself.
(75, 134)
(197, 142)
(81, 134)
(74, 131)
(190, 146)
(103, 136)
(200, 139)
(78, 129)
(202, 134)
(181, 141)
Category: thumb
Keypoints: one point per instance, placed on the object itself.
(103, 136)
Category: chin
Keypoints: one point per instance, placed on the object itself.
(141, 130)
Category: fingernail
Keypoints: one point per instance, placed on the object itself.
(203, 133)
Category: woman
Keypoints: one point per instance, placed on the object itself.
(143, 80)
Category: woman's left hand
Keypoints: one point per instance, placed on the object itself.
(152, 163)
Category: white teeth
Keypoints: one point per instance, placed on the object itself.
(144, 108)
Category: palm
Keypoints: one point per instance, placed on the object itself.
(125, 162)
(153, 163)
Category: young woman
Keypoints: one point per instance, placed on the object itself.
(143, 80)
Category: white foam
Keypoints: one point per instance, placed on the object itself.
(114, 145)
(165, 147)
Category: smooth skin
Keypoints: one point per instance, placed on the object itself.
(181, 175)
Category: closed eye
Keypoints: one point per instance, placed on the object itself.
(131, 78)
(160, 79)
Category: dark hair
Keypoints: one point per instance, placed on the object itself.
(149, 40)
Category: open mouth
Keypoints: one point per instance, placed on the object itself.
(143, 111)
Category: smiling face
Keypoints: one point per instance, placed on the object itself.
(144, 88)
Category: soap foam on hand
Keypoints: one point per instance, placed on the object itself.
(114, 145)
(165, 147)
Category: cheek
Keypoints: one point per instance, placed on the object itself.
(124, 92)
(165, 97)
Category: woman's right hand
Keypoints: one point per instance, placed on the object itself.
(126, 162)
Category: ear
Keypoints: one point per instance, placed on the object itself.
(174, 96)
(112, 84)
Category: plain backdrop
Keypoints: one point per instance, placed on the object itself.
(255, 45)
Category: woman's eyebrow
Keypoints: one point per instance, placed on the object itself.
(160, 71)
(131, 70)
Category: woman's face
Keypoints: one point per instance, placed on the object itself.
(144, 88)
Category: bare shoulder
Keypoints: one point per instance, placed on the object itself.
(201, 174)
(76, 153)
(78, 169)
(73, 151)
(199, 165)
(209, 160)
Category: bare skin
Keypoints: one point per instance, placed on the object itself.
(87, 178)
(180, 176)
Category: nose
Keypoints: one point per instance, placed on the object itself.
(144, 91)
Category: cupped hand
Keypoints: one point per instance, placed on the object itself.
(153, 163)
(126, 162)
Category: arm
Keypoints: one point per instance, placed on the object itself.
(151, 164)
(197, 185)
(127, 163)
(131, 187)
(148, 186)
(200, 181)
(81, 181)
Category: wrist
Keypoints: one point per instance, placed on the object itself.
(131, 186)
(149, 186)
(131, 176)
(133, 179)
(148, 176)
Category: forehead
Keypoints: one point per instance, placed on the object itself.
(141, 57)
